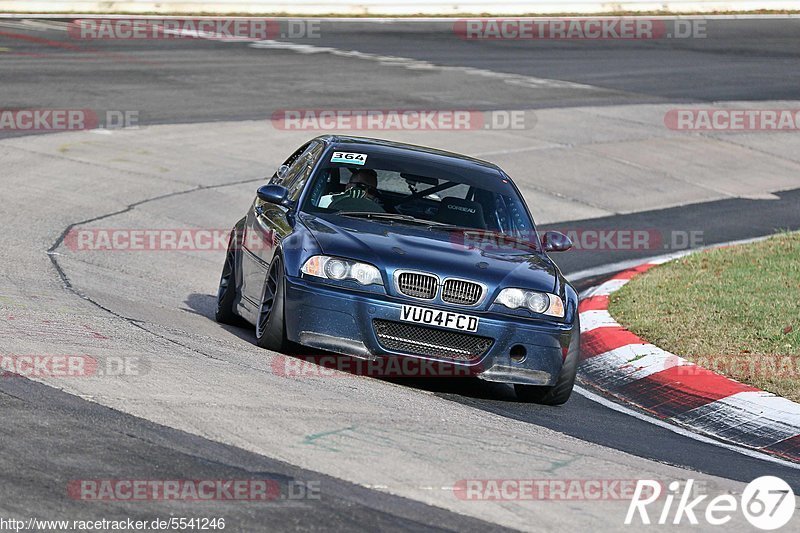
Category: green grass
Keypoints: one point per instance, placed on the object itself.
(734, 310)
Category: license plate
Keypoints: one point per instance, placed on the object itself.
(433, 317)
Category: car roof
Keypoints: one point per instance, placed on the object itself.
(386, 147)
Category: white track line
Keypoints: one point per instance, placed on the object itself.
(682, 432)
(35, 25)
(622, 265)
(418, 64)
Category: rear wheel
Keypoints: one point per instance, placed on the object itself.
(560, 392)
(271, 326)
(225, 312)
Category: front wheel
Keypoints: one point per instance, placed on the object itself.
(225, 312)
(271, 327)
(560, 392)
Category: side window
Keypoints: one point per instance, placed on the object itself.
(300, 171)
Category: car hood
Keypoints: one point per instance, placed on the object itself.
(391, 246)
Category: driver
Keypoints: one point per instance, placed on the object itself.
(360, 194)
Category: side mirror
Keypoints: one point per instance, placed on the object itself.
(274, 194)
(555, 241)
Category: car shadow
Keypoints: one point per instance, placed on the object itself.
(464, 386)
(200, 304)
(474, 388)
(205, 305)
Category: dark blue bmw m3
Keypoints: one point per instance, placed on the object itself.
(377, 249)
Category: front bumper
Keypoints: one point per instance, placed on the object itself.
(336, 319)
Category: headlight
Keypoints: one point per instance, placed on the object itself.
(336, 268)
(542, 303)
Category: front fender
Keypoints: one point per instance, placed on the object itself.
(296, 248)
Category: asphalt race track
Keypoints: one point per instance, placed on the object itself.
(208, 404)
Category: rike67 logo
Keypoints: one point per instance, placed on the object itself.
(767, 503)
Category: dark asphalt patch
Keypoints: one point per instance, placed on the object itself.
(51, 438)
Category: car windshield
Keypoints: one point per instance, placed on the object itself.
(407, 191)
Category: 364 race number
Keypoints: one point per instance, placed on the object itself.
(351, 158)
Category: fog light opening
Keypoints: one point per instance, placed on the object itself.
(518, 353)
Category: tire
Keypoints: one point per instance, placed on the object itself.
(270, 323)
(559, 393)
(225, 312)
